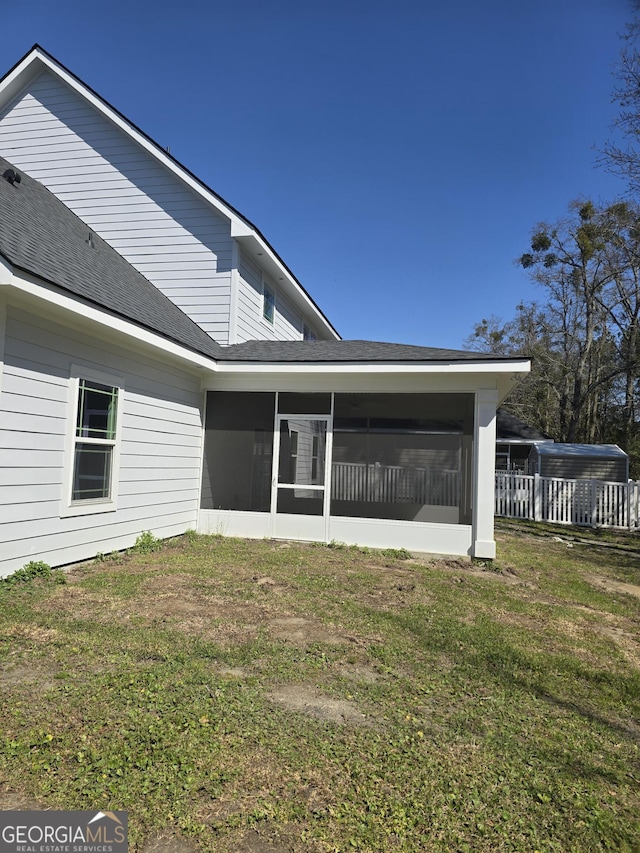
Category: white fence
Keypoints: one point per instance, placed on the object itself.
(590, 503)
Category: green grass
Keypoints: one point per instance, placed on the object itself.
(485, 708)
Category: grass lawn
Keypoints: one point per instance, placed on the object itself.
(261, 696)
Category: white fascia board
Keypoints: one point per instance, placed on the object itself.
(6, 271)
(308, 368)
(19, 78)
(240, 229)
(31, 66)
(27, 284)
(367, 377)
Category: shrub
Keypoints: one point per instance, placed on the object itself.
(146, 543)
(34, 569)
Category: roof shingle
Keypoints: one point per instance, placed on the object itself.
(40, 235)
(347, 351)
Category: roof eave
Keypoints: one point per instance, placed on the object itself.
(32, 286)
(519, 367)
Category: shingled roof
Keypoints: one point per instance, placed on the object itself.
(41, 236)
(347, 351)
(511, 428)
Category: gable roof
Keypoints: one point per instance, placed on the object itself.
(41, 236)
(37, 59)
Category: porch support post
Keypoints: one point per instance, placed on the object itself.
(484, 545)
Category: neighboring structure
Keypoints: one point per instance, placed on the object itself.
(514, 440)
(161, 368)
(580, 462)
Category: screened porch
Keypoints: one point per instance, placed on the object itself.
(304, 460)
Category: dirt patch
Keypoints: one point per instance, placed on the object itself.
(462, 570)
(9, 801)
(32, 632)
(21, 675)
(233, 671)
(359, 672)
(308, 700)
(255, 842)
(302, 631)
(73, 601)
(625, 641)
(176, 600)
(269, 585)
(192, 606)
(171, 844)
(188, 604)
(518, 620)
(610, 585)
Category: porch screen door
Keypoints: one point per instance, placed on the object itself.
(300, 474)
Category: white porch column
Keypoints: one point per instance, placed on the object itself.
(484, 545)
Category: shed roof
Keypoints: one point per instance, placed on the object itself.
(593, 451)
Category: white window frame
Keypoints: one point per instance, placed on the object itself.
(94, 505)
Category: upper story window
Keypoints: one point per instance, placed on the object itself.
(268, 304)
(92, 460)
(307, 333)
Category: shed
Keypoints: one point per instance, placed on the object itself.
(580, 462)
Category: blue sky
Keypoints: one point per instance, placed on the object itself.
(395, 154)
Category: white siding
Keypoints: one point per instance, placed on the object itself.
(287, 324)
(157, 223)
(159, 472)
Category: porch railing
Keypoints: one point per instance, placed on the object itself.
(359, 481)
(588, 503)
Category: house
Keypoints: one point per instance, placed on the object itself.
(162, 369)
(514, 440)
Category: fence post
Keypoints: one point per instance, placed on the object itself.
(537, 498)
(593, 500)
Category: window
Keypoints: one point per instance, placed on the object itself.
(95, 440)
(268, 304)
(307, 333)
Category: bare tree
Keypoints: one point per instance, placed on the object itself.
(623, 158)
